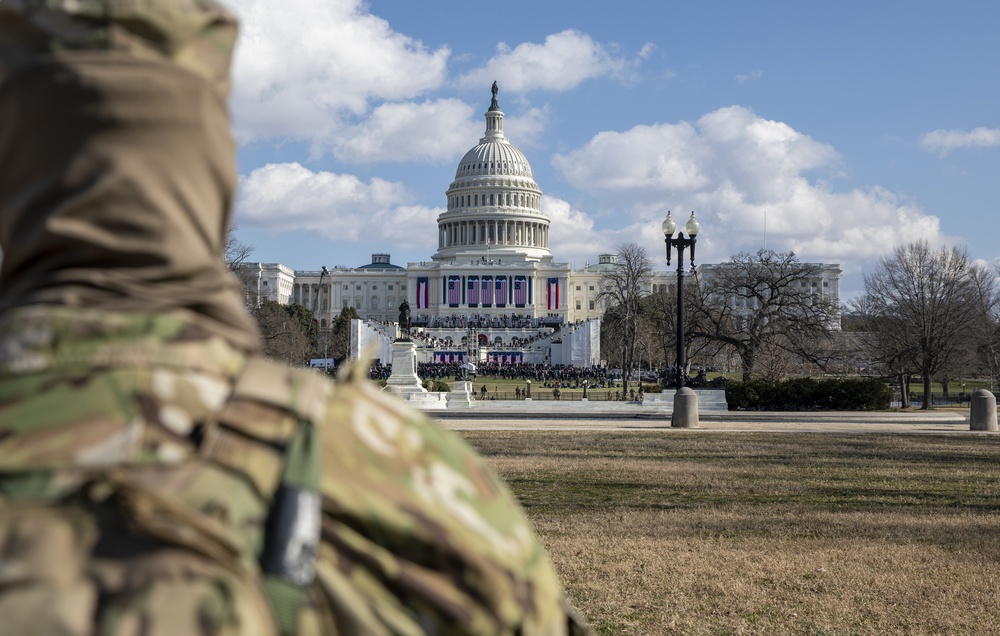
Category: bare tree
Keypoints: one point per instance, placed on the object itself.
(236, 255)
(622, 289)
(764, 302)
(883, 342)
(926, 303)
(237, 252)
(285, 332)
(660, 312)
(987, 338)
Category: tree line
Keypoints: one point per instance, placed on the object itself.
(289, 333)
(925, 312)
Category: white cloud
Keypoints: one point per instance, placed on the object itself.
(433, 131)
(528, 127)
(341, 207)
(755, 74)
(944, 141)
(302, 66)
(562, 62)
(575, 236)
(734, 168)
(572, 235)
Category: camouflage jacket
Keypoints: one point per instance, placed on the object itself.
(139, 457)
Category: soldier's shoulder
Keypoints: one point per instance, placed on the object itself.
(412, 495)
(41, 338)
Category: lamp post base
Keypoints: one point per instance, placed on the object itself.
(685, 413)
(983, 411)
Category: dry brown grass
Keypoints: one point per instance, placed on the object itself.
(699, 533)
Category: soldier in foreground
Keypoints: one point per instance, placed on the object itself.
(156, 477)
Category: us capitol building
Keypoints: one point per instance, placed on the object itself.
(492, 290)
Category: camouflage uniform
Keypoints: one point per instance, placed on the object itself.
(148, 459)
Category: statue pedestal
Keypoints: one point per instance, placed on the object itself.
(404, 380)
(461, 394)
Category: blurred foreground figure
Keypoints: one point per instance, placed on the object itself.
(156, 477)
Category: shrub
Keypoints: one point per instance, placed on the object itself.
(808, 394)
(439, 386)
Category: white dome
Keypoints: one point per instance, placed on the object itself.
(494, 157)
(494, 204)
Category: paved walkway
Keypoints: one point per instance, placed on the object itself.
(933, 422)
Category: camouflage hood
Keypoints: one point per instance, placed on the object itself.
(119, 165)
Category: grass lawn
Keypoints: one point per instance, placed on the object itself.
(688, 532)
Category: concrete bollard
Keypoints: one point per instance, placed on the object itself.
(983, 411)
(685, 413)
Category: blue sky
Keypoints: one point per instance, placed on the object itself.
(843, 128)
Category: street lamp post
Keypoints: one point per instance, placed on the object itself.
(315, 318)
(685, 413)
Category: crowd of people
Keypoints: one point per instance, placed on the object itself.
(545, 375)
(516, 342)
(479, 321)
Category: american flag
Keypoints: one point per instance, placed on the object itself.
(422, 293)
(506, 358)
(520, 291)
(454, 291)
(500, 299)
(473, 294)
(487, 286)
(553, 293)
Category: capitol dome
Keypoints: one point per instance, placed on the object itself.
(494, 204)
(493, 157)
